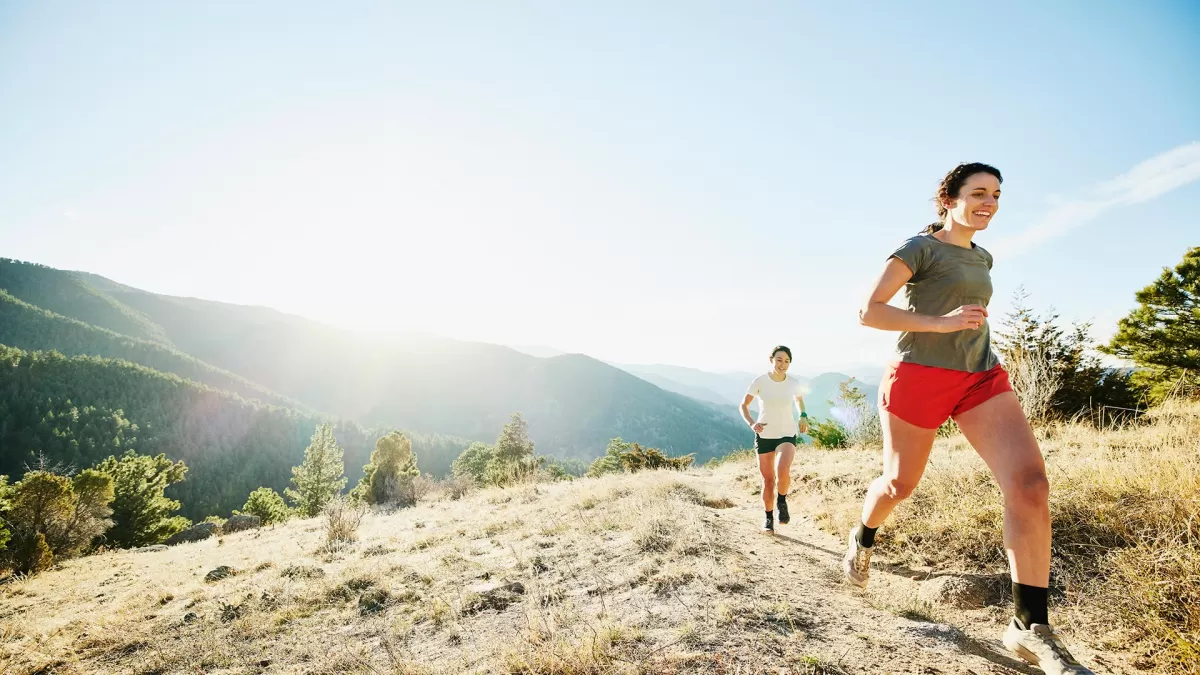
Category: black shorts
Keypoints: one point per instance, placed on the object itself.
(765, 445)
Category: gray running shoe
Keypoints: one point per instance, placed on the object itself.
(1042, 647)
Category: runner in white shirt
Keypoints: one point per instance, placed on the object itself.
(775, 431)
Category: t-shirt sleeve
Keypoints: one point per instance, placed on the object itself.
(987, 257)
(754, 389)
(915, 253)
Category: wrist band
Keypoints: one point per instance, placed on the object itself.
(803, 414)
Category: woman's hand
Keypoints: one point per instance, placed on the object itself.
(967, 317)
(758, 427)
(804, 425)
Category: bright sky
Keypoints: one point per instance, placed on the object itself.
(687, 183)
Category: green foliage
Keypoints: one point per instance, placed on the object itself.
(638, 458)
(862, 424)
(622, 457)
(29, 554)
(1162, 335)
(829, 434)
(267, 505)
(320, 476)
(1080, 381)
(79, 411)
(142, 516)
(474, 461)
(5, 493)
(51, 515)
(513, 456)
(29, 327)
(388, 479)
(560, 468)
(610, 462)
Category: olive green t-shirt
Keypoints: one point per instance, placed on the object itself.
(946, 277)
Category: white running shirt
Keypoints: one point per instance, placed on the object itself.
(776, 405)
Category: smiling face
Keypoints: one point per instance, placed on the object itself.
(781, 361)
(976, 202)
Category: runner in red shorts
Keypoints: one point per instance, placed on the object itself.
(947, 369)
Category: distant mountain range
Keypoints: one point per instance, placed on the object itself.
(574, 404)
(726, 390)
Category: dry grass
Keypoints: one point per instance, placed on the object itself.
(1125, 505)
(406, 591)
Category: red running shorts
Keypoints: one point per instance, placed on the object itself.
(926, 396)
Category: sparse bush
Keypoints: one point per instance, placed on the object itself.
(52, 516)
(829, 434)
(861, 417)
(342, 518)
(458, 487)
(1035, 383)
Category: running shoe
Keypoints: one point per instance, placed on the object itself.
(857, 563)
(1042, 647)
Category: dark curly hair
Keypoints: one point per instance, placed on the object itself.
(952, 184)
(783, 349)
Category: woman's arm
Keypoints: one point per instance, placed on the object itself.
(877, 313)
(757, 427)
(804, 419)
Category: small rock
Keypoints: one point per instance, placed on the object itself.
(190, 617)
(241, 522)
(197, 532)
(973, 591)
(150, 549)
(222, 572)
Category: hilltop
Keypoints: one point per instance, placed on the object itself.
(657, 572)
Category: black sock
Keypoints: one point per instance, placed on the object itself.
(780, 499)
(1031, 604)
(865, 535)
(770, 515)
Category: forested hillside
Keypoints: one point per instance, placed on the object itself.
(80, 410)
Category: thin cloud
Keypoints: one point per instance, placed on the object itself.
(1146, 181)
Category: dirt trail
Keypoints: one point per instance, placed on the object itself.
(867, 630)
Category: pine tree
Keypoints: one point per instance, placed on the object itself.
(320, 476)
(1162, 335)
(142, 516)
(388, 479)
(513, 454)
(267, 505)
(610, 462)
